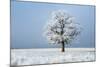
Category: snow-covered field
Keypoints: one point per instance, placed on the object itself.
(51, 56)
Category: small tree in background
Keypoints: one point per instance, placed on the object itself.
(61, 28)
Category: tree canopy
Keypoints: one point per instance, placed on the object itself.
(61, 27)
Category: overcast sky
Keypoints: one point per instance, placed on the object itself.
(29, 18)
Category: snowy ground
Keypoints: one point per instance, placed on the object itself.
(51, 56)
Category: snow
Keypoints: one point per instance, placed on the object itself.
(51, 56)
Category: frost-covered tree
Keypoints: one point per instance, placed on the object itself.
(61, 28)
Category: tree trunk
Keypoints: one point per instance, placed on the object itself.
(63, 47)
